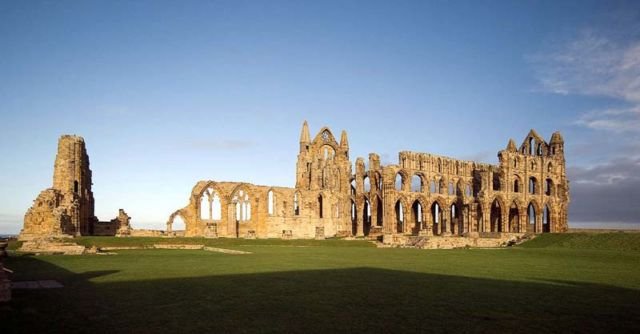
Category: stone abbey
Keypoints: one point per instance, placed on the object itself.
(424, 196)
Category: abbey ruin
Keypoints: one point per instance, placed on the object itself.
(423, 195)
(435, 198)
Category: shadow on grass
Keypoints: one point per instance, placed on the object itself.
(344, 300)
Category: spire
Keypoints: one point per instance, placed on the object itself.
(556, 138)
(344, 142)
(304, 135)
(511, 147)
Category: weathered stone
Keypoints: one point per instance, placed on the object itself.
(50, 246)
(67, 209)
(226, 251)
(423, 195)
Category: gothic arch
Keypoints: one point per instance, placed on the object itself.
(171, 220)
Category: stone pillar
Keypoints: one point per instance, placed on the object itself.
(360, 217)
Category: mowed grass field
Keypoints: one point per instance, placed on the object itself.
(555, 283)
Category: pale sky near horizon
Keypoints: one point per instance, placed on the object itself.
(167, 93)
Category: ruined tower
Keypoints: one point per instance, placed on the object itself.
(323, 164)
(66, 209)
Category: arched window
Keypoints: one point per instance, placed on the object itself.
(546, 220)
(270, 202)
(399, 217)
(496, 182)
(550, 168)
(296, 204)
(243, 206)
(216, 207)
(178, 224)
(416, 183)
(367, 184)
(353, 187)
(532, 185)
(320, 208)
(540, 149)
(452, 189)
(548, 187)
(399, 182)
(531, 215)
(467, 190)
(516, 186)
(204, 206)
(379, 180)
(328, 152)
(531, 146)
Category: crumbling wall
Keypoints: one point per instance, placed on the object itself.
(66, 209)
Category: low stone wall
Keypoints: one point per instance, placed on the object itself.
(495, 240)
(45, 246)
(165, 246)
(148, 233)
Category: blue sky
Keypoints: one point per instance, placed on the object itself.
(169, 93)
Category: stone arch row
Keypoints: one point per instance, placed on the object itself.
(437, 216)
(532, 185)
(518, 161)
(210, 201)
(517, 216)
(419, 182)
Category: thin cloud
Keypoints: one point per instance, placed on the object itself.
(595, 64)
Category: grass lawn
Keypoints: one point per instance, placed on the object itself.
(555, 283)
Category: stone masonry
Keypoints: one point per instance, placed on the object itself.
(67, 208)
(422, 195)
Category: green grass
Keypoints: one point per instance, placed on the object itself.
(613, 241)
(221, 242)
(331, 286)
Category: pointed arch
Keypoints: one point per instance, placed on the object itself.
(400, 216)
(379, 211)
(400, 181)
(436, 218)
(417, 216)
(271, 202)
(549, 188)
(495, 221)
(417, 183)
(242, 200)
(514, 218)
(366, 217)
(532, 214)
(455, 218)
(367, 184)
(297, 199)
(547, 220)
(533, 185)
(354, 218)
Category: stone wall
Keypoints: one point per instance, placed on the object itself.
(66, 209)
(422, 195)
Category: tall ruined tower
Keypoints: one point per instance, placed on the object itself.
(72, 177)
(68, 207)
(535, 175)
(323, 164)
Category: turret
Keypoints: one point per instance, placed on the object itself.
(556, 143)
(344, 142)
(305, 139)
(511, 147)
